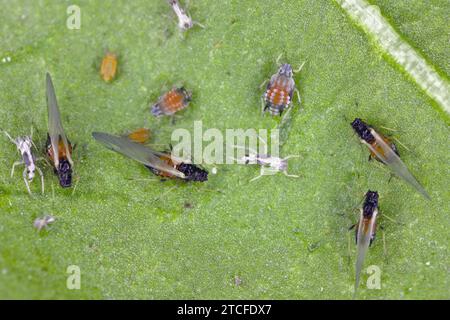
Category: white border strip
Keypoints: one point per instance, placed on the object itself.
(374, 23)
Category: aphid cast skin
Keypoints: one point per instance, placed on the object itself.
(270, 165)
(160, 163)
(59, 148)
(172, 102)
(185, 22)
(386, 152)
(108, 68)
(43, 222)
(24, 145)
(365, 230)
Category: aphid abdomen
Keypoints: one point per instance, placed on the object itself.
(141, 135)
(65, 173)
(278, 95)
(192, 172)
(108, 67)
(380, 149)
(171, 102)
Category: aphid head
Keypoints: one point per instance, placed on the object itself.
(370, 203)
(286, 70)
(192, 172)
(30, 174)
(184, 21)
(64, 173)
(363, 130)
(186, 94)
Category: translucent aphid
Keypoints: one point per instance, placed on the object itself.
(24, 146)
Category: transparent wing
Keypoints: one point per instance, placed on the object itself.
(393, 161)
(365, 231)
(55, 128)
(137, 152)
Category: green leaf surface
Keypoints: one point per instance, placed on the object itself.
(285, 238)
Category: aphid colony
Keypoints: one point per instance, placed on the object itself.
(276, 99)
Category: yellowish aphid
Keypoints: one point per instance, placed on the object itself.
(108, 69)
(141, 135)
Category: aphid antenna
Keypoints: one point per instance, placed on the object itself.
(163, 194)
(9, 137)
(277, 61)
(402, 144)
(389, 129)
(299, 68)
(263, 84)
(203, 188)
(393, 220)
(42, 179)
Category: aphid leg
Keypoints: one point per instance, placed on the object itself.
(26, 180)
(292, 156)
(290, 175)
(198, 24)
(257, 177)
(349, 245)
(44, 159)
(283, 120)
(163, 194)
(391, 175)
(298, 96)
(75, 186)
(263, 106)
(402, 144)
(352, 227)
(392, 219)
(262, 85)
(389, 129)
(42, 179)
(14, 166)
(370, 158)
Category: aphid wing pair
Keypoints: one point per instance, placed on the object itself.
(364, 234)
(137, 152)
(393, 161)
(55, 128)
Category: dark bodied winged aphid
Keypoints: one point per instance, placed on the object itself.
(365, 230)
(386, 152)
(160, 163)
(59, 148)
